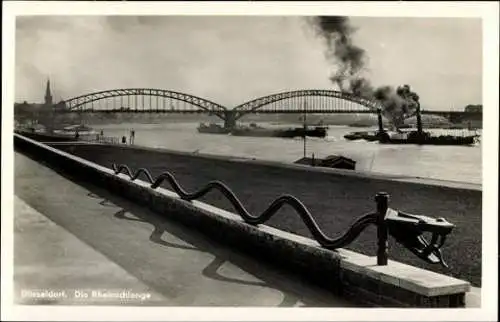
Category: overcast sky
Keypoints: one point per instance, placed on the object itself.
(234, 59)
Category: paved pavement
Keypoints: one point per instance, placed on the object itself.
(82, 245)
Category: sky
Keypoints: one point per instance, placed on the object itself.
(233, 59)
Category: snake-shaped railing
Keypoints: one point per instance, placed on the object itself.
(406, 228)
(329, 243)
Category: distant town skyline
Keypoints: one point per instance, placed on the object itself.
(232, 59)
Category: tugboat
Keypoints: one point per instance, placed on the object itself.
(421, 137)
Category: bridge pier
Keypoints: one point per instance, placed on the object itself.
(380, 123)
(419, 120)
(229, 120)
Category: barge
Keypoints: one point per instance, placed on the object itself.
(255, 130)
(258, 131)
(412, 138)
(426, 138)
(317, 131)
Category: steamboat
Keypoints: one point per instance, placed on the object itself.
(419, 136)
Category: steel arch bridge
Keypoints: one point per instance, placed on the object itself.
(349, 103)
(195, 104)
(313, 101)
(299, 101)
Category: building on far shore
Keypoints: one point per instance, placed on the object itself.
(38, 111)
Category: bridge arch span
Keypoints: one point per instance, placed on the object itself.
(82, 102)
(259, 104)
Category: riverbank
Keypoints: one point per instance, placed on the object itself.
(334, 197)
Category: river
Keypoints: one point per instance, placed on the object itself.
(454, 163)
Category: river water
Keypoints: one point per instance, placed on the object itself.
(454, 163)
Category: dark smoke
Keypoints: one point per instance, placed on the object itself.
(350, 59)
(397, 104)
(337, 31)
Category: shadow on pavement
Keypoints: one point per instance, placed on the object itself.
(289, 285)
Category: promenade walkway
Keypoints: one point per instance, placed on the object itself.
(77, 240)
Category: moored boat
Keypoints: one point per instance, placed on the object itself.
(78, 130)
(68, 133)
(43, 136)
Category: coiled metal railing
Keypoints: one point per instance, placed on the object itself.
(330, 243)
(406, 228)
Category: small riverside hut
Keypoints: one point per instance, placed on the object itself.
(331, 161)
(338, 162)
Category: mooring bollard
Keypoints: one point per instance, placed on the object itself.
(382, 200)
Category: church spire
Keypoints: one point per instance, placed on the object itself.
(48, 94)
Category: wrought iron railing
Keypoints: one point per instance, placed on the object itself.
(407, 229)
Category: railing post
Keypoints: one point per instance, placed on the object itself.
(382, 200)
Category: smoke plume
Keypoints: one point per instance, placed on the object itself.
(350, 60)
(338, 35)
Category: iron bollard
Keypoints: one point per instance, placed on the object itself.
(382, 200)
